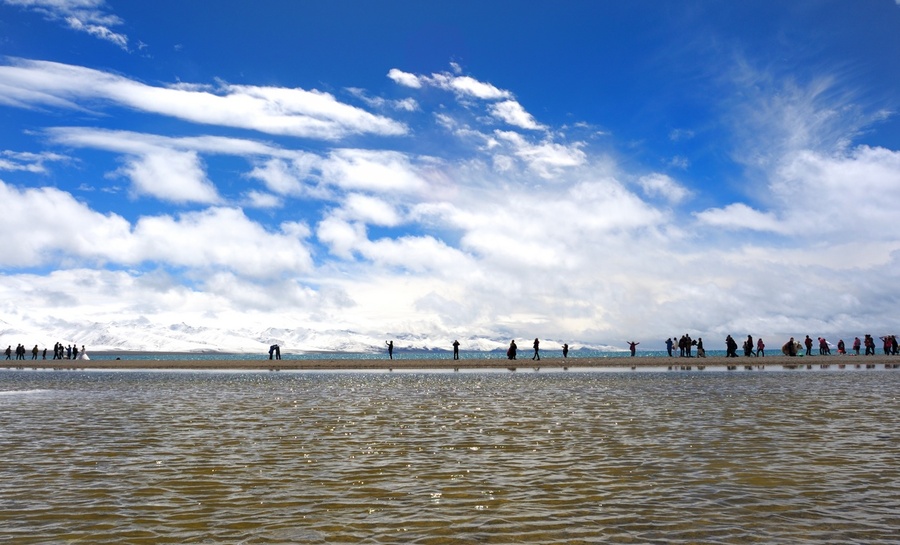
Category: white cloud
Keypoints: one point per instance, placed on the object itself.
(273, 110)
(513, 113)
(222, 237)
(210, 239)
(546, 158)
(381, 171)
(370, 210)
(404, 78)
(341, 236)
(170, 176)
(470, 86)
(812, 196)
(741, 216)
(89, 16)
(466, 86)
(27, 161)
(259, 199)
(279, 176)
(660, 185)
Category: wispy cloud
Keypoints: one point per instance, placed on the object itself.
(28, 161)
(273, 110)
(89, 16)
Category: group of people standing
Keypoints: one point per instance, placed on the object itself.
(60, 352)
(685, 347)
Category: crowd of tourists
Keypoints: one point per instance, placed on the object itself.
(686, 346)
(60, 352)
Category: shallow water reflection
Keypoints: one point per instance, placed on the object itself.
(549, 457)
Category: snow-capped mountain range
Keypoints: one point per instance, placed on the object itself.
(143, 336)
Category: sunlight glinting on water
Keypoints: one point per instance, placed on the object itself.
(107, 457)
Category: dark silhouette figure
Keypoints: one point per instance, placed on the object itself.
(34, 352)
(808, 343)
(633, 347)
(537, 345)
(9, 352)
(730, 347)
(701, 352)
(760, 348)
(748, 346)
(390, 345)
(456, 350)
(511, 353)
(565, 350)
(669, 345)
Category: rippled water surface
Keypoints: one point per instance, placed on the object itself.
(444, 457)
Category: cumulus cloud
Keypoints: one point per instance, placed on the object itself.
(171, 176)
(513, 113)
(210, 239)
(89, 16)
(546, 158)
(273, 110)
(405, 78)
(382, 171)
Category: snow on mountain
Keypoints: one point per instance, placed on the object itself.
(142, 335)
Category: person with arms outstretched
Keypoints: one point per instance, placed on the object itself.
(633, 347)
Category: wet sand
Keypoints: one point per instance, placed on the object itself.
(879, 361)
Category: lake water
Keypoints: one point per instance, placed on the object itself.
(449, 457)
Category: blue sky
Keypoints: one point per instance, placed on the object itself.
(585, 172)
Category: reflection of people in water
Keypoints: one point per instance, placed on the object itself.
(390, 345)
(633, 346)
(456, 350)
(537, 345)
(511, 353)
(565, 350)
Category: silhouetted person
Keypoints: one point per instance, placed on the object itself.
(511, 353)
(669, 345)
(537, 355)
(633, 346)
(760, 348)
(456, 350)
(565, 350)
(390, 345)
(9, 352)
(34, 352)
(808, 343)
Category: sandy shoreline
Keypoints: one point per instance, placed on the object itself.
(325, 363)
